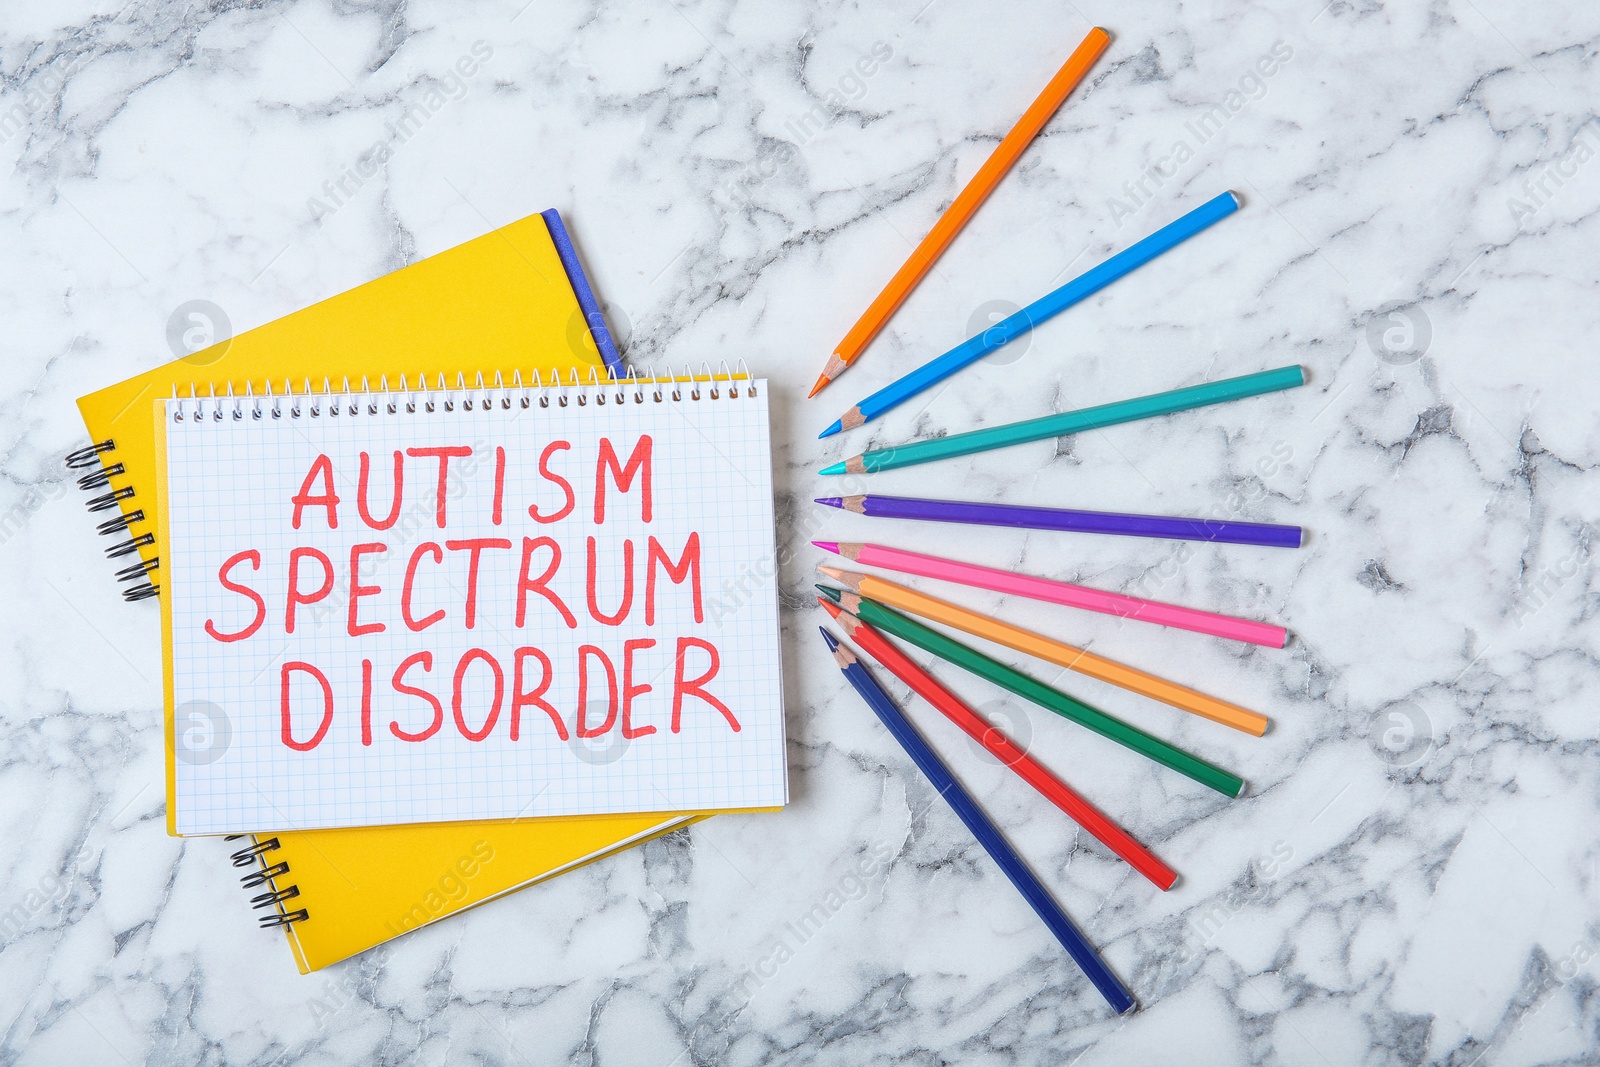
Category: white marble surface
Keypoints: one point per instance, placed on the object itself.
(1425, 901)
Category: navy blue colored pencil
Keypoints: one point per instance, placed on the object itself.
(593, 317)
(1027, 883)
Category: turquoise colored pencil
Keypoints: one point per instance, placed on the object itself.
(1016, 433)
(1046, 307)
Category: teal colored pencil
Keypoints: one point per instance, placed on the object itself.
(1016, 433)
(1046, 307)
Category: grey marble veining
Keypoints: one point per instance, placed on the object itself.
(1413, 875)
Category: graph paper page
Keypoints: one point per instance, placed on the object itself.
(570, 610)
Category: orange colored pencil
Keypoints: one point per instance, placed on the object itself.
(964, 206)
(1051, 650)
(1003, 748)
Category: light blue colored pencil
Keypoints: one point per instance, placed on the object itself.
(1080, 288)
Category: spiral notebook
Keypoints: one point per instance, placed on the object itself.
(501, 302)
(433, 605)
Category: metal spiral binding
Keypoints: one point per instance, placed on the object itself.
(99, 476)
(347, 402)
(267, 875)
(88, 457)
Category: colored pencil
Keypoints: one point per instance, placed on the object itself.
(1067, 593)
(970, 659)
(979, 824)
(1051, 651)
(1016, 433)
(1003, 748)
(1226, 531)
(964, 206)
(593, 317)
(1046, 307)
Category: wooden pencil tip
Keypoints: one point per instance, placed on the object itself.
(850, 550)
(841, 655)
(852, 418)
(857, 504)
(851, 580)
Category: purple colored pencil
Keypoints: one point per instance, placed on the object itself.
(1226, 531)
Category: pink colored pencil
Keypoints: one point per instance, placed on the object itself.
(1054, 592)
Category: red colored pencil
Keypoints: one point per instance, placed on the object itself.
(1002, 747)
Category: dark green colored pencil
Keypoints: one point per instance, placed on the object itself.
(908, 629)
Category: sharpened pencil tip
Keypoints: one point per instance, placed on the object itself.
(837, 468)
(833, 642)
(828, 546)
(830, 607)
(830, 501)
(822, 383)
(831, 430)
(830, 592)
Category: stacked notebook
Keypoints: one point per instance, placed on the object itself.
(441, 590)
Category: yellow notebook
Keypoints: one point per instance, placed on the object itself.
(501, 303)
(340, 892)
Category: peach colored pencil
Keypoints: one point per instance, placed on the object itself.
(1054, 592)
(1051, 650)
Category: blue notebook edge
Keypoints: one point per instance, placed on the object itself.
(592, 315)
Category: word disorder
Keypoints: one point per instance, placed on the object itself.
(393, 612)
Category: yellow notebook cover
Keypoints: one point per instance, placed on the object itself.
(499, 303)
(360, 888)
